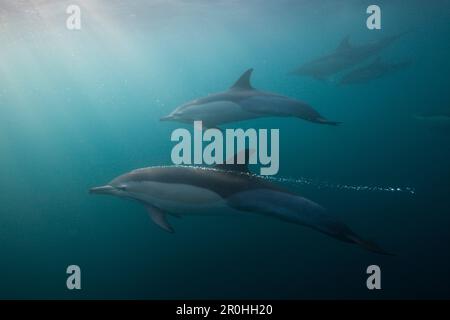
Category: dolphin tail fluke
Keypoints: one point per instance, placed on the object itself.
(340, 231)
(328, 122)
(370, 246)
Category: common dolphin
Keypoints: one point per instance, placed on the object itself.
(243, 102)
(372, 71)
(345, 56)
(188, 190)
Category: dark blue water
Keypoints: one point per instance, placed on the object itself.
(78, 108)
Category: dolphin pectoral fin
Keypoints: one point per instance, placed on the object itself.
(160, 218)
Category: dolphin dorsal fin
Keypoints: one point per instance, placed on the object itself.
(243, 155)
(243, 83)
(344, 45)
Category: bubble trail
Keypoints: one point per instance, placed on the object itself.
(328, 185)
(321, 184)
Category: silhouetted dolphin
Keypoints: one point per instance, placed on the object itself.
(346, 55)
(374, 70)
(243, 102)
(184, 190)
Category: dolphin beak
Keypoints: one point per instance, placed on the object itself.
(167, 118)
(102, 190)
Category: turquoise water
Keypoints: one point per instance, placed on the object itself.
(78, 108)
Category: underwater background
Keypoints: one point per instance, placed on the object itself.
(78, 108)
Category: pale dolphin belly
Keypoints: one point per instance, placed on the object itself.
(178, 198)
(218, 112)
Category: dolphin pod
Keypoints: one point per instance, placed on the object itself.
(243, 102)
(343, 57)
(187, 190)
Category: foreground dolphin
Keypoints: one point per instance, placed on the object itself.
(372, 71)
(243, 102)
(345, 56)
(183, 190)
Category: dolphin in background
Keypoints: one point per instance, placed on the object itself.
(345, 56)
(372, 71)
(438, 114)
(243, 102)
(187, 190)
(438, 119)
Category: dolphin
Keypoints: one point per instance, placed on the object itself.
(243, 102)
(438, 119)
(440, 116)
(344, 56)
(224, 189)
(374, 70)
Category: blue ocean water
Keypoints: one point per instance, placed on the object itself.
(78, 108)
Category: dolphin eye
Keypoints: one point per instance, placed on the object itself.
(122, 188)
